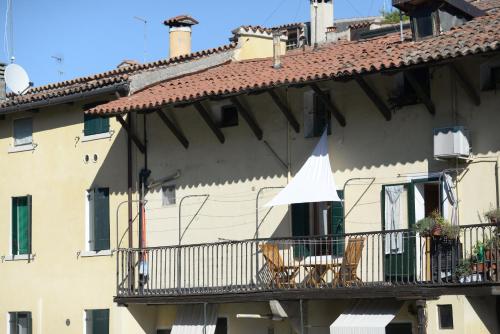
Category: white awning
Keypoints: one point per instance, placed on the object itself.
(314, 181)
(190, 319)
(366, 317)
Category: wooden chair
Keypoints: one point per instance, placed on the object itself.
(346, 275)
(281, 275)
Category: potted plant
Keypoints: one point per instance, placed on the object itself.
(464, 271)
(491, 248)
(424, 226)
(493, 216)
(478, 257)
(449, 231)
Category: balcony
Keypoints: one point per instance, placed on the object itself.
(399, 263)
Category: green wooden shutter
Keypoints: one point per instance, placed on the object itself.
(101, 219)
(300, 228)
(14, 226)
(93, 124)
(13, 323)
(322, 116)
(338, 226)
(21, 225)
(100, 321)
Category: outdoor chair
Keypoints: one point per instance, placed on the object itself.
(281, 275)
(346, 274)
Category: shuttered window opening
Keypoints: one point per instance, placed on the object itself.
(97, 321)
(20, 323)
(317, 117)
(313, 219)
(98, 225)
(21, 225)
(94, 124)
(23, 131)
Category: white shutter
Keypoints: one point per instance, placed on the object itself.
(309, 114)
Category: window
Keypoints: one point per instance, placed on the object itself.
(168, 195)
(163, 331)
(445, 313)
(97, 321)
(228, 116)
(398, 328)
(23, 131)
(221, 326)
(94, 124)
(21, 225)
(317, 219)
(317, 116)
(98, 219)
(20, 323)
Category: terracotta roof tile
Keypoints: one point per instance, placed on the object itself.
(337, 60)
(180, 20)
(99, 80)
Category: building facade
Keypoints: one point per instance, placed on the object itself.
(140, 206)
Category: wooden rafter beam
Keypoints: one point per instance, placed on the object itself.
(210, 122)
(131, 134)
(377, 100)
(328, 103)
(421, 93)
(247, 116)
(285, 110)
(467, 85)
(173, 128)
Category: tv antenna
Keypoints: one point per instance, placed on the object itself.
(17, 79)
(145, 22)
(59, 59)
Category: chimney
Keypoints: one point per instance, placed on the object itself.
(321, 19)
(3, 92)
(180, 34)
(277, 49)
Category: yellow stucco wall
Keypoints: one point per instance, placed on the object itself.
(59, 283)
(254, 46)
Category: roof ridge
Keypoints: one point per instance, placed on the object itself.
(129, 69)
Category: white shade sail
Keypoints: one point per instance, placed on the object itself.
(313, 183)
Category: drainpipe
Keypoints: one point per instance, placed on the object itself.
(421, 317)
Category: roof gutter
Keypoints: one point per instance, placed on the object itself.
(122, 88)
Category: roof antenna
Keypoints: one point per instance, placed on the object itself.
(401, 26)
(143, 20)
(59, 60)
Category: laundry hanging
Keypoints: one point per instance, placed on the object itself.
(314, 182)
(393, 210)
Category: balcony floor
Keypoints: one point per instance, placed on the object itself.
(401, 292)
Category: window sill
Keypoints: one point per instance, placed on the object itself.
(22, 148)
(106, 252)
(23, 257)
(105, 135)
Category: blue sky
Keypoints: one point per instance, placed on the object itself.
(95, 35)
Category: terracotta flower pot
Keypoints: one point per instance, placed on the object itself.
(488, 254)
(478, 267)
(437, 231)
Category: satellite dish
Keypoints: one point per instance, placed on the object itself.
(16, 78)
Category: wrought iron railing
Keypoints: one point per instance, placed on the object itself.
(384, 258)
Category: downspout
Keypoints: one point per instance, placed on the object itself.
(143, 180)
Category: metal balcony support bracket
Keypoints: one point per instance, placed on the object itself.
(422, 95)
(173, 128)
(210, 122)
(373, 96)
(328, 103)
(285, 110)
(131, 134)
(248, 117)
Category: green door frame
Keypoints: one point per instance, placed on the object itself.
(403, 266)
